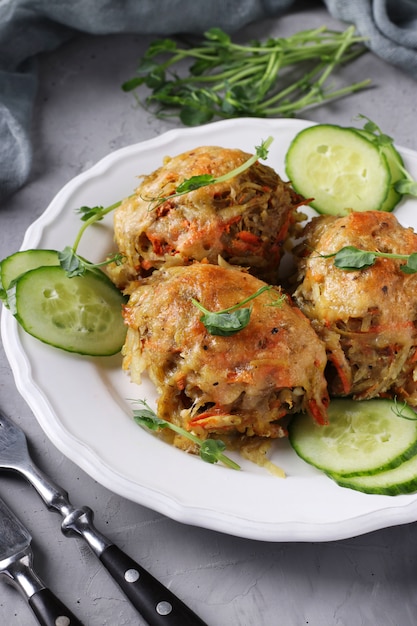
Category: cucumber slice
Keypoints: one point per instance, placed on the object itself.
(20, 262)
(394, 162)
(393, 482)
(81, 314)
(339, 168)
(362, 437)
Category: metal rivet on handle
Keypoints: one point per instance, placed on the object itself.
(131, 575)
(164, 608)
(62, 620)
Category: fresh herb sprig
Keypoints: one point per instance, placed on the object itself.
(352, 258)
(235, 318)
(210, 450)
(203, 180)
(279, 77)
(73, 263)
(406, 185)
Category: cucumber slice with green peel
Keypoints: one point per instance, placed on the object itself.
(81, 314)
(20, 262)
(394, 162)
(393, 482)
(339, 168)
(362, 437)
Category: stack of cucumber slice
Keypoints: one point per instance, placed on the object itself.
(370, 446)
(343, 169)
(82, 314)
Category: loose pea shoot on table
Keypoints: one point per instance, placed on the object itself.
(279, 77)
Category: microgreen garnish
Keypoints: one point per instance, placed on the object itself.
(278, 77)
(210, 450)
(352, 258)
(406, 185)
(73, 263)
(96, 212)
(399, 411)
(202, 180)
(233, 319)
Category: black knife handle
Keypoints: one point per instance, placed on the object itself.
(48, 608)
(158, 605)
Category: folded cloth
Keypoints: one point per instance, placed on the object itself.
(389, 25)
(28, 27)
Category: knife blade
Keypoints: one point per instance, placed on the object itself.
(16, 564)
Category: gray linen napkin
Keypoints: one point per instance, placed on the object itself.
(390, 25)
(28, 27)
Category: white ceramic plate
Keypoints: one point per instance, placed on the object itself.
(84, 405)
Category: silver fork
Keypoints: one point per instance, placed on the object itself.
(154, 601)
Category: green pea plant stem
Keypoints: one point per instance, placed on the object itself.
(203, 180)
(75, 265)
(316, 79)
(278, 77)
(406, 185)
(210, 450)
(70, 260)
(352, 258)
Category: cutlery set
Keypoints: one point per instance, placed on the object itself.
(156, 604)
(16, 563)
